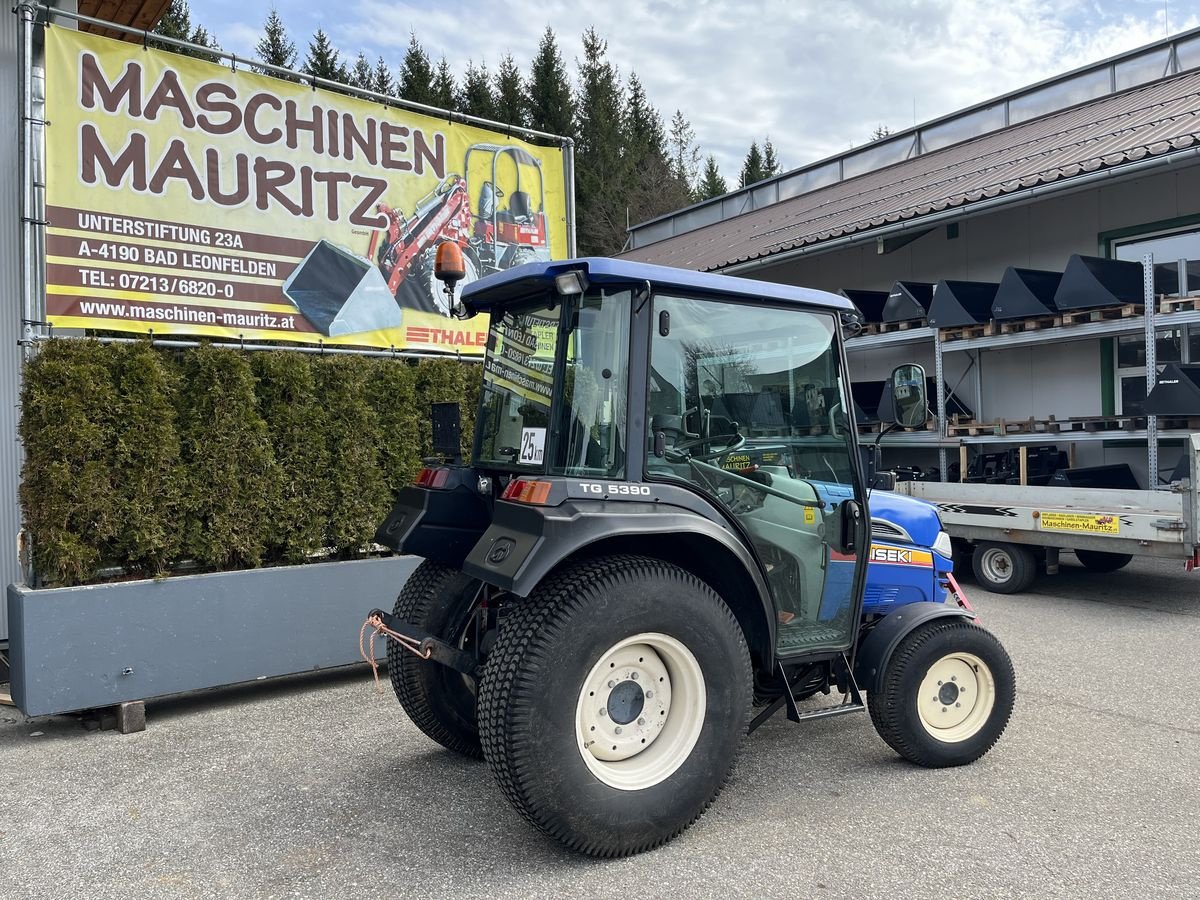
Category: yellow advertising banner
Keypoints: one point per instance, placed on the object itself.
(186, 198)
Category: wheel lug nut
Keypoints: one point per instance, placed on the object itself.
(641, 721)
(649, 695)
(954, 678)
(612, 684)
(943, 709)
(633, 675)
(617, 729)
(957, 705)
(939, 684)
(603, 712)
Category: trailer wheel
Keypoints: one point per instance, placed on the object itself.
(1003, 568)
(613, 703)
(439, 700)
(947, 694)
(1101, 561)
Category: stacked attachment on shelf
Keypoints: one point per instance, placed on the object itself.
(1177, 392)
(957, 303)
(1025, 293)
(908, 300)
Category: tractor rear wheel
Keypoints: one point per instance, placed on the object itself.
(439, 700)
(1004, 568)
(1101, 561)
(946, 695)
(613, 703)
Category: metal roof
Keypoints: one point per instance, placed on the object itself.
(1155, 119)
(536, 277)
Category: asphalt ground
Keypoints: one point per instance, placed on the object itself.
(317, 786)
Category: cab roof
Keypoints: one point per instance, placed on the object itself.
(537, 277)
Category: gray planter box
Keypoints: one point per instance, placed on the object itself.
(100, 645)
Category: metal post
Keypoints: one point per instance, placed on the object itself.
(940, 386)
(569, 162)
(1151, 368)
(1183, 278)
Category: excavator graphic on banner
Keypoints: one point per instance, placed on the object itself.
(497, 235)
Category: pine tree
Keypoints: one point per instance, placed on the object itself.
(362, 75)
(275, 48)
(443, 88)
(685, 155)
(650, 187)
(753, 169)
(176, 23)
(383, 82)
(770, 161)
(601, 174)
(476, 97)
(548, 93)
(881, 131)
(416, 74)
(711, 183)
(323, 60)
(511, 102)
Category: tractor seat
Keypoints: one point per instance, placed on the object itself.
(519, 206)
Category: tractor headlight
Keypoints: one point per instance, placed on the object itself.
(942, 545)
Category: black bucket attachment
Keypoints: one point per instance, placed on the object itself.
(1177, 392)
(908, 300)
(1090, 281)
(1166, 278)
(340, 293)
(866, 396)
(958, 303)
(1115, 476)
(1025, 293)
(868, 303)
(954, 406)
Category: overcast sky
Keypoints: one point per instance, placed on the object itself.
(817, 76)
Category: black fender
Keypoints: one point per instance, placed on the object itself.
(881, 642)
(442, 525)
(525, 543)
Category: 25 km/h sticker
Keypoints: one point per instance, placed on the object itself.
(1081, 523)
(533, 445)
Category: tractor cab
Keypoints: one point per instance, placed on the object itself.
(664, 523)
(510, 206)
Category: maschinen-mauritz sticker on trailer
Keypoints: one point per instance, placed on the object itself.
(533, 445)
(1085, 523)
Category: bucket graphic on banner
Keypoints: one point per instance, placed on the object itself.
(186, 198)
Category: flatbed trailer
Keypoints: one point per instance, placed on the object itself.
(1012, 533)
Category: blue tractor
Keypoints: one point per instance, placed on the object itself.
(663, 536)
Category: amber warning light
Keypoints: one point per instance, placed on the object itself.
(521, 491)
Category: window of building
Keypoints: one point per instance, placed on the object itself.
(1179, 344)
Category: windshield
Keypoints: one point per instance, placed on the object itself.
(555, 387)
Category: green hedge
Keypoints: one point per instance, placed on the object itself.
(140, 458)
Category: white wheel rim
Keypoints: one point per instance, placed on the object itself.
(997, 565)
(640, 711)
(956, 697)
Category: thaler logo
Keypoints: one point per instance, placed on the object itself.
(445, 336)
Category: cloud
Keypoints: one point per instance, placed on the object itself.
(817, 77)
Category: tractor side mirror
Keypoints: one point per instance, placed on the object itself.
(910, 407)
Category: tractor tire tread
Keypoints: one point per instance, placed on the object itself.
(422, 591)
(531, 627)
(882, 704)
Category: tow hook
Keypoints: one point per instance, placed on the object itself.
(420, 643)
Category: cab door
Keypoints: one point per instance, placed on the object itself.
(746, 405)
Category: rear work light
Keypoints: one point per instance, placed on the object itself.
(521, 491)
(433, 478)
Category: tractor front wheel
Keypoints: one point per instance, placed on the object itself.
(613, 703)
(946, 695)
(439, 700)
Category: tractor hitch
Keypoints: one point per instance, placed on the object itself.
(421, 643)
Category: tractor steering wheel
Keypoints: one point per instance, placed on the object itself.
(681, 452)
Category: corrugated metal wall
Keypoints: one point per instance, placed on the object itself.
(10, 298)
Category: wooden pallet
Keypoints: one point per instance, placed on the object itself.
(1035, 323)
(906, 325)
(1102, 314)
(963, 332)
(1179, 423)
(1190, 303)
